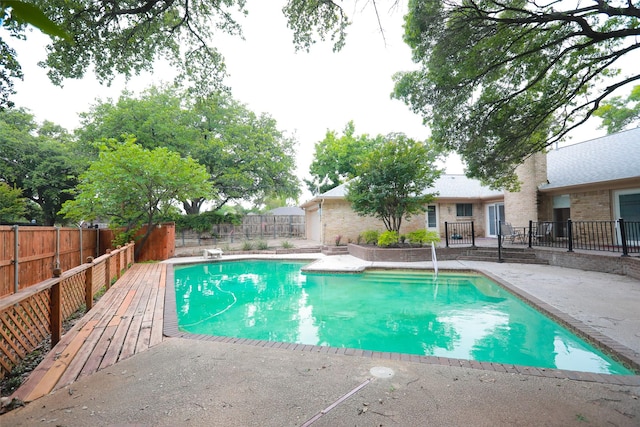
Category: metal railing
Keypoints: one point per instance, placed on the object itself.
(459, 233)
(607, 236)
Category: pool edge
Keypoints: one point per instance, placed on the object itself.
(616, 350)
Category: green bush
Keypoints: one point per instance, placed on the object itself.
(247, 245)
(262, 245)
(287, 245)
(388, 238)
(121, 238)
(370, 237)
(423, 236)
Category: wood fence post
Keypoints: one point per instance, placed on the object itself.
(56, 313)
(107, 269)
(118, 262)
(88, 286)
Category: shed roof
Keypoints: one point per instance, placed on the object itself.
(287, 210)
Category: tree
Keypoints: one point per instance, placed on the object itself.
(118, 37)
(617, 114)
(133, 186)
(12, 205)
(392, 180)
(501, 80)
(39, 160)
(158, 117)
(247, 157)
(14, 16)
(336, 157)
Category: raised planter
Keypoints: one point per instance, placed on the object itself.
(376, 253)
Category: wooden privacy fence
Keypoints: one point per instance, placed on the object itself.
(28, 316)
(253, 227)
(28, 255)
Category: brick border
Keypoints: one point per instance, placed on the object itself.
(619, 351)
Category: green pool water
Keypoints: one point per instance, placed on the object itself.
(461, 316)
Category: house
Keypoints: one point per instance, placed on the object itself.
(597, 179)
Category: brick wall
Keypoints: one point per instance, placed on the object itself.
(591, 206)
(522, 206)
(447, 213)
(339, 219)
(629, 266)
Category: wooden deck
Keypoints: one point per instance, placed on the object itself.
(127, 320)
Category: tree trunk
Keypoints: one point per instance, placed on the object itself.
(143, 240)
(192, 207)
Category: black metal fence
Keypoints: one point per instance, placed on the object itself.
(459, 233)
(610, 236)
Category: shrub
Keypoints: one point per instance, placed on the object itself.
(287, 245)
(388, 238)
(423, 236)
(247, 245)
(262, 245)
(370, 237)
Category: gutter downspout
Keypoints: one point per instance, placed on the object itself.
(322, 224)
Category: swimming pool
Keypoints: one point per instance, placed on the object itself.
(462, 316)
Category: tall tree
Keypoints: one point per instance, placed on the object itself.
(618, 113)
(133, 186)
(126, 37)
(39, 160)
(393, 179)
(247, 156)
(500, 80)
(336, 157)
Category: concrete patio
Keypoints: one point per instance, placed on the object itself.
(193, 382)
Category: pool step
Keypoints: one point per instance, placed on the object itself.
(515, 255)
(406, 277)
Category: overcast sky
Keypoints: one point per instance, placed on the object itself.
(307, 93)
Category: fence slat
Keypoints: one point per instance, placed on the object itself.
(36, 250)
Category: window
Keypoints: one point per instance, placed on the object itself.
(432, 220)
(464, 209)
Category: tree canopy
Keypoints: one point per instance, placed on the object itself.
(133, 186)
(247, 156)
(336, 158)
(393, 179)
(126, 37)
(40, 160)
(618, 113)
(12, 205)
(500, 80)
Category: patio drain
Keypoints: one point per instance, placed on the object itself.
(381, 372)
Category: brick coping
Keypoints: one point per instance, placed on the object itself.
(611, 346)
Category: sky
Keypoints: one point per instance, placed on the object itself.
(307, 93)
